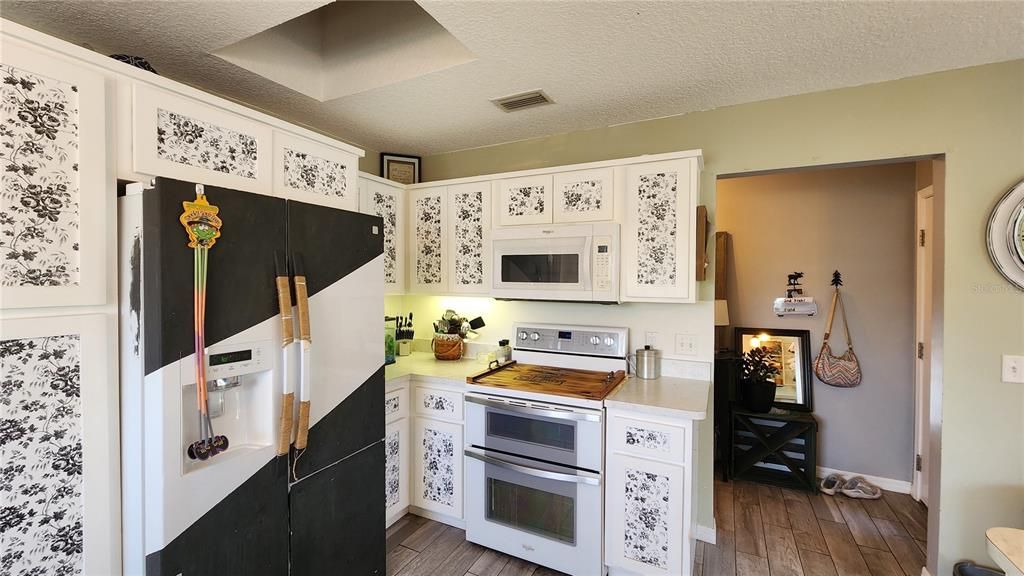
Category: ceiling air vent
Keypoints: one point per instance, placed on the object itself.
(521, 101)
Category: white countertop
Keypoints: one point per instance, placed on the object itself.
(665, 396)
(1006, 547)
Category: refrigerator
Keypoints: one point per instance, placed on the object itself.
(248, 510)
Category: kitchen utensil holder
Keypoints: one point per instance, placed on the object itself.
(447, 346)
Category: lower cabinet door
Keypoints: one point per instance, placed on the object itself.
(437, 466)
(644, 524)
(396, 469)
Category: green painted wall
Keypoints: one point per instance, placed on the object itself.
(974, 116)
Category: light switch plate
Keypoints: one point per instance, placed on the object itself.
(686, 345)
(651, 339)
(1013, 369)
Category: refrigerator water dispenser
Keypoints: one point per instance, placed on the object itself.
(240, 383)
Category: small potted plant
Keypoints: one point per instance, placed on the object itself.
(757, 380)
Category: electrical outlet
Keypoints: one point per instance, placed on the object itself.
(651, 339)
(1013, 369)
(686, 344)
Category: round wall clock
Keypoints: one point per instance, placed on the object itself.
(1006, 235)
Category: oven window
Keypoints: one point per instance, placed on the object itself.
(532, 430)
(532, 510)
(541, 268)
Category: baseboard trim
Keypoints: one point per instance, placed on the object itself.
(899, 486)
(706, 534)
(443, 519)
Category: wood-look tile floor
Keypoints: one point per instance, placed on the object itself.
(767, 531)
(762, 531)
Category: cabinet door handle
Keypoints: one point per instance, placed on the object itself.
(579, 478)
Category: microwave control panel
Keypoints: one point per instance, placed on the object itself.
(602, 259)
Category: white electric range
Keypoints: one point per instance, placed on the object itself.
(534, 459)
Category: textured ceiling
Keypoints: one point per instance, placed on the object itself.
(603, 62)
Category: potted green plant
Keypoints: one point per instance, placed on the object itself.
(757, 380)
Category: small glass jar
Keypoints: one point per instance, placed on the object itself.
(504, 352)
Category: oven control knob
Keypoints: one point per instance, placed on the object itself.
(534, 336)
(609, 341)
(523, 336)
(595, 340)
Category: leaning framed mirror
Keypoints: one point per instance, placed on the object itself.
(790, 352)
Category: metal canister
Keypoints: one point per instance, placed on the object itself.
(646, 363)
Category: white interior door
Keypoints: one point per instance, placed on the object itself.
(922, 394)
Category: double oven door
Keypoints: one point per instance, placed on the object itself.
(533, 481)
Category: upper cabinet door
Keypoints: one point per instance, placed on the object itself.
(181, 138)
(57, 202)
(469, 217)
(584, 196)
(312, 172)
(525, 200)
(428, 244)
(658, 246)
(388, 202)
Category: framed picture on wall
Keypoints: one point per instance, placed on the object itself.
(400, 168)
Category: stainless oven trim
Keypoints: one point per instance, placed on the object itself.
(580, 477)
(510, 407)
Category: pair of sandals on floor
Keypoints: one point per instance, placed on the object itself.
(856, 487)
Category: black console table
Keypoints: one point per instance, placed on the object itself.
(778, 447)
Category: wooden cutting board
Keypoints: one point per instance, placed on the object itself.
(588, 384)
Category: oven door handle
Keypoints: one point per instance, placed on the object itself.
(559, 414)
(580, 478)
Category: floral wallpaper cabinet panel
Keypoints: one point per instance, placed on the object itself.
(469, 242)
(428, 243)
(644, 531)
(314, 172)
(659, 249)
(524, 200)
(439, 403)
(56, 200)
(177, 137)
(396, 469)
(657, 440)
(388, 202)
(584, 196)
(59, 447)
(437, 466)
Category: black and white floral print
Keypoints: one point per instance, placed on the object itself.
(391, 405)
(392, 462)
(647, 439)
(646, 514)
(193, 142)
(438, 467)
(313, 174)
(525, 200)
(438, 403)
(585, 196)
(428, 240)
(656, 232)
(40, 456)
(469, 238)
(384, 206)
(39, 201)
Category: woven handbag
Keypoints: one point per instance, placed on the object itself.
(841, 371)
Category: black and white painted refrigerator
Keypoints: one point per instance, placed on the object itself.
(247, 510)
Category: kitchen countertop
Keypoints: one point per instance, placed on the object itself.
(425, 365)
(665, 396)
(1006, 547)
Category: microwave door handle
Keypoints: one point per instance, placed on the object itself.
(580, 478)
(585, 259)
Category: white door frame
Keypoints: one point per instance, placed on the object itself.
(924, 264)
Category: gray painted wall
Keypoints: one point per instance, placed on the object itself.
(861, 221)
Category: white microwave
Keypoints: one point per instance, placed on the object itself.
(576, 262)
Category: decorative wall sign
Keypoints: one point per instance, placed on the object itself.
(1006, 235)
(400, 168)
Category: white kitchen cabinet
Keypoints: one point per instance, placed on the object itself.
(57, 199)
(658, 245)
(584, 196)
(428, 242)
(649, 522)
(469, 241)
(396, 469)
(437, 466)
(178, 137)
(313, 172)
(524, 200)
(388, 201)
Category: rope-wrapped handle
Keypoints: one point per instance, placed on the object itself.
(303, 436)
(284, 436)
